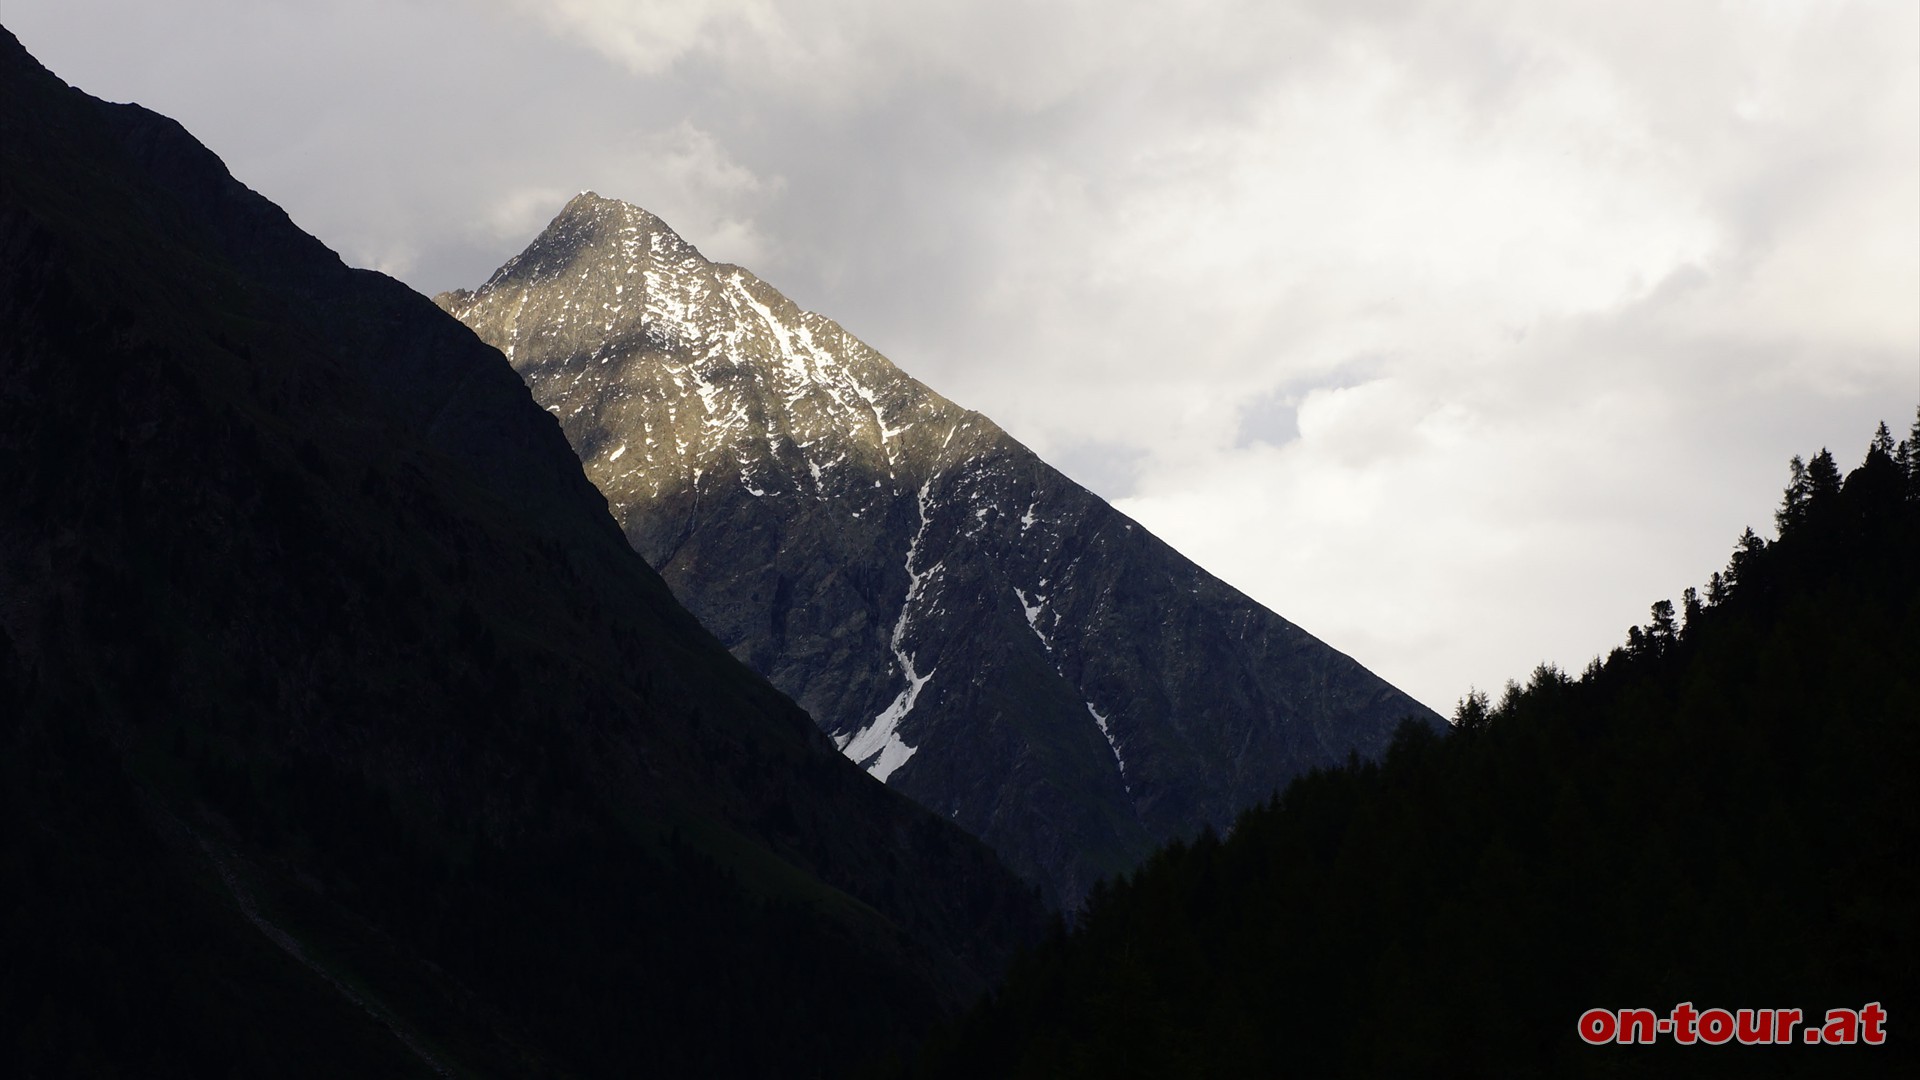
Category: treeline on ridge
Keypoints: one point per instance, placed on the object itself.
(1720, 811)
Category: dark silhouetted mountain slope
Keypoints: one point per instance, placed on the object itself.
(343, 733)
(971, 626)
(1722, 812)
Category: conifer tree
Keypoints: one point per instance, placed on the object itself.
(1908, 458)
(1547, 674)
(1882, 441)
(1879, 485)
(1690, 608)
(1638, 643)
(1793, 505)
(1661, 631)
(1745, 554)
(1823, 477)
(1473, 711)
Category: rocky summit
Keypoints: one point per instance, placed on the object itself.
(968, 624)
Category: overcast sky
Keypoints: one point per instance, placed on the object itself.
(1457, 333)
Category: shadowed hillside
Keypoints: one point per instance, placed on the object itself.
(341, 734)
(1720, 812)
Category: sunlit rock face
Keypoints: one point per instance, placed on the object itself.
(974, 628)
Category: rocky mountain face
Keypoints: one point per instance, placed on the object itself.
(969, 625)
(341, 731)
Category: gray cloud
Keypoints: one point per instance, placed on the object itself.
(1457, 335)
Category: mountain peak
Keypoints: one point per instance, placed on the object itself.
(969, 625)
(608, 283)
(592, 205)
(592, 235)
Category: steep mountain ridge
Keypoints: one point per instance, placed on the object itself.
(967, 623)
(343, 732)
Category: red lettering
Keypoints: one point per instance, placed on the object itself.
(1716, 1026)
(1873, 1019)
(1683, 1019)
(1597, 1026)
(1752, 1027)
(1842, 1027)
(1637, 1026)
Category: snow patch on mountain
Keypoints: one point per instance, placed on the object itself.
(1032, 608)
(880, 739)
(1100, 719)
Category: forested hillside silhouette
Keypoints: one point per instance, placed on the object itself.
(1720, 811)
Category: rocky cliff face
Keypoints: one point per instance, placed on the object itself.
(972, 627)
